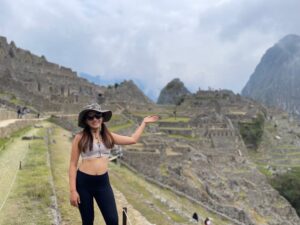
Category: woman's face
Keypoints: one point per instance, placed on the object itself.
(93, 119)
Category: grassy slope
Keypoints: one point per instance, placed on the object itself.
(151, 201)
(30, 195)
(29, 199)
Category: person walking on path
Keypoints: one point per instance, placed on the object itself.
(19, 112)
(90, 180)
(207, 221)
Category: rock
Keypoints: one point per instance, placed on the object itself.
(275, 80)
(50, 87)
(173, 93)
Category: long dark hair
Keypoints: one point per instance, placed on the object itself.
(86, 141)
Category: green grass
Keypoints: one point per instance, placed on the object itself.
(252, 132)
(163, 170)
(296, 154)
(264, 171)
(177, 136)
(175, 128)
(142, 195)
(30, 196)
(178, 119)
(120, 127)
(16, 134)
(142, 114)
(116, 117)
(288, 185)
(137, 195)
(287, 147)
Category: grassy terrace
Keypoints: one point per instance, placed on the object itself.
(153, 201)
(121, 126)
(175, 128)
(28, 201)
(189, 138)
(279, 156)
(140, 194)
(29, 189)
(5, 141)
(178, 119)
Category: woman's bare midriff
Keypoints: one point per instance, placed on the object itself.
(94, 166)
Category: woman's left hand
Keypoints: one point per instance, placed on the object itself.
(151, 119)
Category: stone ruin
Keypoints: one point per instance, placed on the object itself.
(212, 165)
(42, 84)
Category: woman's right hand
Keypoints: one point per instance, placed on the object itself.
(74, 198)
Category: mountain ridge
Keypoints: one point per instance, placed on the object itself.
(276, 79)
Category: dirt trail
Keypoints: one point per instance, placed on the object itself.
(4, 123)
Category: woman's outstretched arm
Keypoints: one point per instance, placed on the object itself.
(128, 140)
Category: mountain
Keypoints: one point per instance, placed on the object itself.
(126, 93)
(99, 80)
(28, 79)
(107, 81)
(276, 79)
(173, 92)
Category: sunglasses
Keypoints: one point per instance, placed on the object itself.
(91, 117)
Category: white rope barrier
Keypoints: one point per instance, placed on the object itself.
(13, 181)
(127, 217)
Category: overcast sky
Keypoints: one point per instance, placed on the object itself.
(205, 43)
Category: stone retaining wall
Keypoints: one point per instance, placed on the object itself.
(13, 127)
(8, 114)
(181, 193)
(173, 124)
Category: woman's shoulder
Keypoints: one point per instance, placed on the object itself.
(78, 135)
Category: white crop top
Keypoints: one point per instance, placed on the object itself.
(98, 150)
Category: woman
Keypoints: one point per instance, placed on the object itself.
(90, 180)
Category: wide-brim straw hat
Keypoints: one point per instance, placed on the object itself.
(93, 107)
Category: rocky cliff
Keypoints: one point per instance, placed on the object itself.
(41, 84)
(276, 79)
(202, 155)
(31, 80)
(126, 93)
(173, 92)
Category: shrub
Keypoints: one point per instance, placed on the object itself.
(252, 131)
(288, 185)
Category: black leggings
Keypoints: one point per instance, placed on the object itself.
(98, 187)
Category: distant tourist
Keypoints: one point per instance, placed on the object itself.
(24, 111)
(195, 216)
(19, 112)
(207, 221)
(90, 179)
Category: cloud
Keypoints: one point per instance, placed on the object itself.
(204, 43)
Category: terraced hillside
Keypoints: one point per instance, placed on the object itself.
(280, 147)
(38, 191)
(203, 158)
